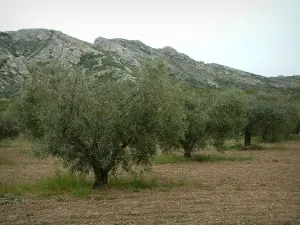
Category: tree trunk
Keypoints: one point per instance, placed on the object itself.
(187, 153)
(265, 137)
(247, 138)
(101, 178)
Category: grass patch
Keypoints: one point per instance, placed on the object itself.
(5, 161)
(167, 158)
(64, 184)
(141, 183)
(60, 184)
(294, 138)
(256, 139)
(6, 142)
(218, 158)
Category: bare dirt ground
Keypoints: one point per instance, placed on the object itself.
(263, 191)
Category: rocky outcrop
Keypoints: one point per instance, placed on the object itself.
(196, 73)
(112, 59)
(24, 48)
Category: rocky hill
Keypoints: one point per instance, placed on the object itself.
(113, 59)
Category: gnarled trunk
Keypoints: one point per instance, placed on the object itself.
(247, 138)
(187, 153)
(101, 178)
(188, 146)
(101, 174)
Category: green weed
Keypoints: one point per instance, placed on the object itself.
(60, 184)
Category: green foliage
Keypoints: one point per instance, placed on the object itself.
(212, 116)
(272, 117)
(227, 114)
(78, 185)
(4, 104)
(167, 158)
(89, 60)
(99, 126)
(293, 138)
(110, 61)
(8, 125)
(197, 133)
(217, 158)
(61, 183)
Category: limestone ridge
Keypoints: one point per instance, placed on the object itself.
(133, 53)
(23, 48)
(112, 59)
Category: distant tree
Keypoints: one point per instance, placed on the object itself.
(197, 133)
(227, 115)
(99, 126)
(269, 116)
(212, 117)
(8, 125)
(291, 117)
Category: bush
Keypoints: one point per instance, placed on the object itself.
(294, 137)
(8, 126)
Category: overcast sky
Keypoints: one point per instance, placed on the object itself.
(258, 36)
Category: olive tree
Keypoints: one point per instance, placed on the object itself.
(196, 135)
(212, 117)
(8, 124)
(269, 115)
(292, 117)
(227, 113)
(100, 125)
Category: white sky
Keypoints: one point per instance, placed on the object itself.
(258, 36)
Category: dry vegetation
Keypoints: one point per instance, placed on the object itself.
(265, 190)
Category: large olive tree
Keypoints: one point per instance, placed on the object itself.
(100, 125)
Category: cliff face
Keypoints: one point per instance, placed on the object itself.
(112, 59)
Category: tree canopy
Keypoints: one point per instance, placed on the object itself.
(100, 126)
